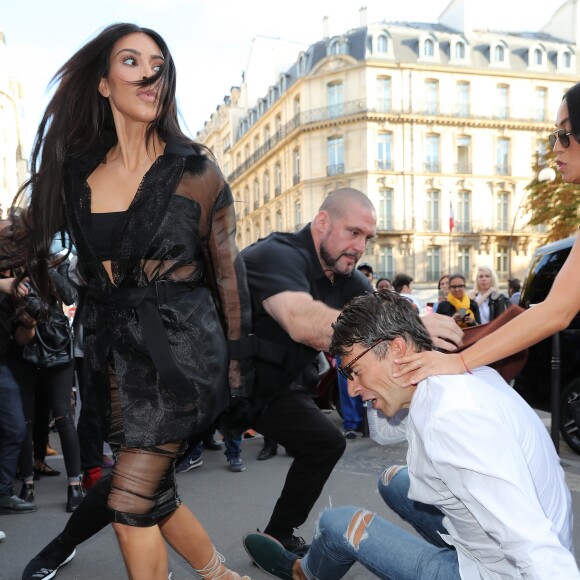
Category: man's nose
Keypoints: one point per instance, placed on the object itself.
(353, 387)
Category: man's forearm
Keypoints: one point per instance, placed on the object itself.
(314, 326)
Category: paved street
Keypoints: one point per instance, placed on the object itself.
(228, 504)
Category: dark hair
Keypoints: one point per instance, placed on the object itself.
(441, 280)
(383, 279)
(400, 281)
(77, 120)
(372, 317)
(572, 98)
(514, 285)
(457, 275)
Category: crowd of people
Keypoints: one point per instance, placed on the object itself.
(177, 332)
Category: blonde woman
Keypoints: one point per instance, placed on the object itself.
(490, 300)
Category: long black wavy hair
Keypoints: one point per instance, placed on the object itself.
(75, 122)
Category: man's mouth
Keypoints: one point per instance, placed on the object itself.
(369, 403)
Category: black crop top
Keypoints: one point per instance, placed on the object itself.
(102, 227)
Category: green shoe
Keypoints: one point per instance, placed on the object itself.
(270, 555)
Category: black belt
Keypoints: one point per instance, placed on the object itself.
(146, 301)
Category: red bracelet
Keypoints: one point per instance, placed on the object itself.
(463, 361)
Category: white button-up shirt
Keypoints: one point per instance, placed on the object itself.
(480, 454)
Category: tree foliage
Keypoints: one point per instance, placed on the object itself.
(553, 203)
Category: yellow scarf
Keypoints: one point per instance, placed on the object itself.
(463, 303)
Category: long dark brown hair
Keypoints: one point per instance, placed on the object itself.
(75, 122)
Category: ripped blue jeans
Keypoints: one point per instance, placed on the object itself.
(346, 535)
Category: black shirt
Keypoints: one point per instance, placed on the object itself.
(289, 262)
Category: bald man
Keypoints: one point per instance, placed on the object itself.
(298, 283)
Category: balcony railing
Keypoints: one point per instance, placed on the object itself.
(296, 178)
(266, 197)
(464, 227)
(432, 225)
(256, 204)
(390, 225)
(336, 169)
(432, 167)
(384, 164)
(463, 168)
(503, 169)
(382, 107)
(433, 275)
(277, 190)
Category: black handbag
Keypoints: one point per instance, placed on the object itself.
(52, 345)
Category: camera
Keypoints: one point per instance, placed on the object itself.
(32, 304)
(462, 313)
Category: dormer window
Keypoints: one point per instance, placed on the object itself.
(537, 57)
(301, 64)
(382, 43)
(337, 46)
(458, 50)
(428, 48)
(566, 60)
(499, 53)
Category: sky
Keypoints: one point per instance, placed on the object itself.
(210, 40)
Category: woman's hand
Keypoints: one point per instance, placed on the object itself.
(24, 334)
(417, 366)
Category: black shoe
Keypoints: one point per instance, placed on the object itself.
(46, 563)
(269, 555)
(27, 492)
(12, 504)
(74, 496)
(268, 451)
(294, 544)
(211, 444)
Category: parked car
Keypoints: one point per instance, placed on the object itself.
(534, 382)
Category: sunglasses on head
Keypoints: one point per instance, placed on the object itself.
(560, 135)
(346, 370)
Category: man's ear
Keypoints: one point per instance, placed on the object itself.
(398, 347)
(321, 221)
(104, 88)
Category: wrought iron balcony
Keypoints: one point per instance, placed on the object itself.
(336, 169)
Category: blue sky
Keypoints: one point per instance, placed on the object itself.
(210, 39)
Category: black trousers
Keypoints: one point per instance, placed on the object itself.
(294, 421)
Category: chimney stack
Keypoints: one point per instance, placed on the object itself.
(363, 15)
(325, 32)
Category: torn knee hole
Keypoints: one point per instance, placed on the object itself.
(389, 473)
(357, 528)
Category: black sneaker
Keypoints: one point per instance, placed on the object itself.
(12, 504)
(295, 544)
(47, 562)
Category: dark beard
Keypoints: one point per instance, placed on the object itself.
(331, 261)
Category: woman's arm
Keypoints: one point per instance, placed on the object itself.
(545, 319)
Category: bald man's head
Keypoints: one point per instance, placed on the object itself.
(339, 202)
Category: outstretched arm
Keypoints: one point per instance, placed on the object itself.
(537, 323)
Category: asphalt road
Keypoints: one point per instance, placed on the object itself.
(228, 504)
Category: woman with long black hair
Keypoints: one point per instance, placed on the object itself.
(154, 227)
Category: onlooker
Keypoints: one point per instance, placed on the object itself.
(367, 270)
(12, 423)
(351, 407)
(490, 300)
(402, 285)
(384, 284)
(480, 514)
(442, 289)
(514, 290)
(269, 449)
(457, 304)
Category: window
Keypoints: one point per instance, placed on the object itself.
(432, 221)
(431, 97)
(278, 123)
(502, 156)
(387, 262)
(338, 46)
(383, 94)
(266, 187)
(385, 213)
(256, 194)
(279, 221)
(463, 155)
(238, 159)
(538, 57)
(296, 165)
(335, 99)
(433, 263)
(226, 143)
(266, 134)
(429, 48)
(246, 200)
(246, 152)
(277, 179)
(499, 53)
(335, 156)
(462, 99)
(267, 226)
(384, 151)
(566, 59)
(463, 218)
(501, 262)
(502, 212)
(540, 98)
(256, 143)
(297, 214)
(502, 95)
(459, 53)
(382, 43)
(301, 64)
(464, 260)
(541, 152)
(296, 106)
(432, 153)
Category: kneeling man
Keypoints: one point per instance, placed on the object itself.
(483, 486)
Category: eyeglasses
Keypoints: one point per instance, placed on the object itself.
(456, 286)
(560, 135)
(346, 371)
